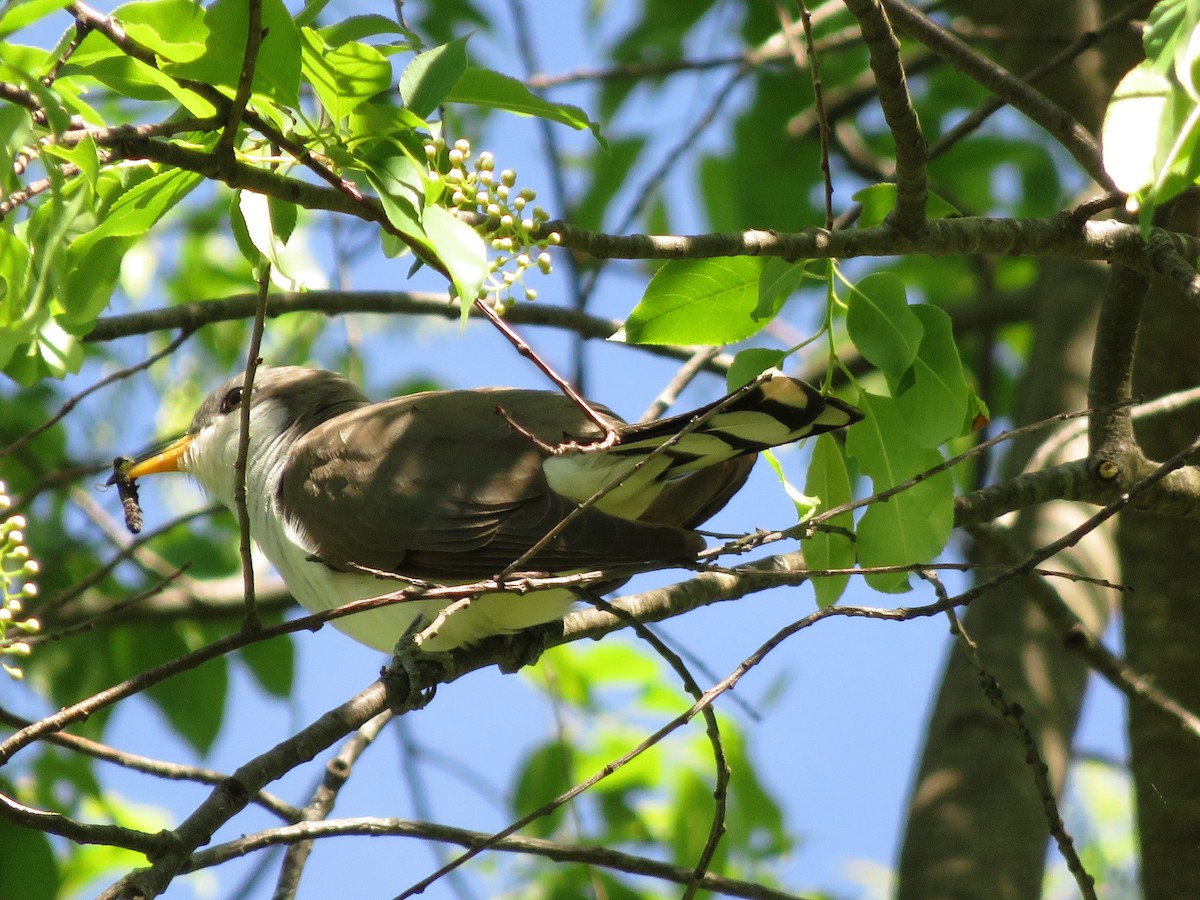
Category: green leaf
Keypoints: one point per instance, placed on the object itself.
(429, 78)
(51, 354)
(829, 480)
(778, 281)
(483, 87)
(197, 723)
(173, 29)
(913, 526)
(28, 867)
(749, 364)
(542, 776)
(266, 225)
(805, 504)
(343, 76)
(94, 259)
(462, 251)
(277, 68)
(98, 58)
(1167, 27)
(879, 200)
(15, 262)
(18, 15)
(355, 28)
(273, 665)
(607, 170)
(1131, 126)
(881, 325)
(699, 301)
(401, 188)
(935, 395)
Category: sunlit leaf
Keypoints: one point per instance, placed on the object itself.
(829, 480)
(933, 395)
(430, 77)
(483, 87)
(698, 301)
(880, 323)
(462, 251)
(914, 525)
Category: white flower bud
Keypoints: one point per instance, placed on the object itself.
(29, 590)
(463, 146)
(31, 566)
(530, 294)
(508, 177)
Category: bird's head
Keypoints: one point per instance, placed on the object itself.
(285, 402)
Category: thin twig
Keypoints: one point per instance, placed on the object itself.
(818, 97)
(1053, 118)
(1013, 714)
(337, 772)
(699, 361)
(554, 850)
(156, 767)
(712, 729)
(911, 152)
(73, 401)
(254, 39)
(251, 623)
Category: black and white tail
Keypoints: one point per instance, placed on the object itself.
(777, 411)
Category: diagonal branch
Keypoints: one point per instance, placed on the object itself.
(911, 187)
(1057, 122)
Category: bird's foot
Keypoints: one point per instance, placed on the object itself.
(524, 648)
(420, 669)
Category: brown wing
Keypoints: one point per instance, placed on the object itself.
(439, 485)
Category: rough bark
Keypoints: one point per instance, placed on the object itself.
(976, 826)
(1161, 620)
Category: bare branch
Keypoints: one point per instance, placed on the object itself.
(1080, 143)
(911, 187)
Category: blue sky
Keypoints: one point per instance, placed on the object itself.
(837, 747)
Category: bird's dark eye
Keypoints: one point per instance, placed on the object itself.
(232, 400)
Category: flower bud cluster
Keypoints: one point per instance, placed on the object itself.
(17, 570)
(510, 221)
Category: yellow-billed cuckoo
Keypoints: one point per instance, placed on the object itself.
(442, 487)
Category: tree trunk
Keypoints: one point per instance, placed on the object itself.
(1162, 622)
(976, 827)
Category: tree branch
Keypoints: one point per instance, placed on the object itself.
(911, 187)
(1057, 122)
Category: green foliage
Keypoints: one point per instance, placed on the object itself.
(664, 796)
(711, 301)
(1160, 97)
(829, 480)
(914, 525)
(328, 88)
